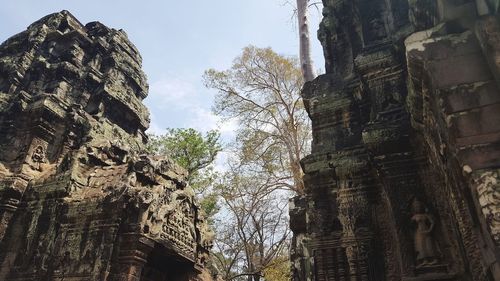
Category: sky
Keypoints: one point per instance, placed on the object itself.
(178, 41)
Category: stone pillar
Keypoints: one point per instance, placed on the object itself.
(341, 261)
(9, 200)
(133, 254)
(301, 260)
(354, 210)
(8, 207)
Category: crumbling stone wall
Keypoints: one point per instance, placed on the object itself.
(79, 198)
(402, 181)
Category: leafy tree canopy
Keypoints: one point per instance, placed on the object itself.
(196, 152)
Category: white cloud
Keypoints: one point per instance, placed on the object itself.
(180, 103)
(221, 161)
(204, 120)
(170, 92)
(155, 128)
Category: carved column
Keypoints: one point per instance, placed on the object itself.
(133, 254)
(299, 253)
(9, 200)
(341, 262)
(353, 206)
(354, 210)
(8, 207)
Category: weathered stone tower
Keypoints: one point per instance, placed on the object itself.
(79, 199)
(403, 182)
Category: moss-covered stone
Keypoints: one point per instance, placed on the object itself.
(79, 198)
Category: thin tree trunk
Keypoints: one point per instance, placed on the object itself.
(306, 63)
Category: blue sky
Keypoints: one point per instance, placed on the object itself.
(178, 40)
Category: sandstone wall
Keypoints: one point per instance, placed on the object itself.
(79, 198)
(402, 180)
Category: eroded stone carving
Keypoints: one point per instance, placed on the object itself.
(425, 245)
(488, 189)
(79, 198)
(408, 108)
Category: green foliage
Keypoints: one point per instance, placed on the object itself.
(191, 150)
(209, 204)
(196, 153)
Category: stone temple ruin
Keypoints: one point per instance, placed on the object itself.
(79, 199)
(403, 182)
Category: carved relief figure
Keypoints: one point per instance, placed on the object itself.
(38, 154)
(42, 254)
(425, 246)
(378, 28)
(37, 157)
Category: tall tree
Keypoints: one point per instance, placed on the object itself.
(262, 91)
(253, 231)
(306, 62)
